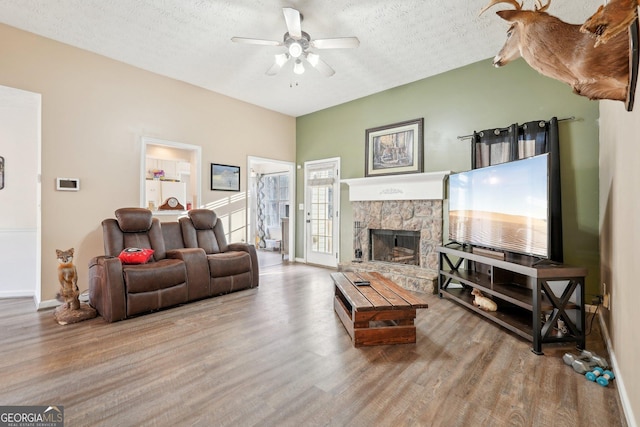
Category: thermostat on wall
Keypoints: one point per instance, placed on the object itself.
(67, 184)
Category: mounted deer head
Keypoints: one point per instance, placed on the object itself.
(559, 50)
(612, 19)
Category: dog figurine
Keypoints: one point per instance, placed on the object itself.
(483, 302)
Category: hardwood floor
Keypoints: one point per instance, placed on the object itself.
(268, 258)
(279, 356)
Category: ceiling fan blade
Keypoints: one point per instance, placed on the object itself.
(273, 70)
(279, 62)
(292, 17)
(261, 42)
(336, 43)
(317, 63)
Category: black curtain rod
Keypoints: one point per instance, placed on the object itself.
(560, 120)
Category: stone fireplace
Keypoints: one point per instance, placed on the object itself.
(402, 204)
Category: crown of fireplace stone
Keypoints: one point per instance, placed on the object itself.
(417, 186)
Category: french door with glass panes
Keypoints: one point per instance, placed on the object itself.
(322, 207)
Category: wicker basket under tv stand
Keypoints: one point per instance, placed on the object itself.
(525, 288)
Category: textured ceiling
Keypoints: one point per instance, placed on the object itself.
(401, 41)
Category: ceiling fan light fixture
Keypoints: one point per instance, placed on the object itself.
(297, 44)
(295, 49)
(282, 59)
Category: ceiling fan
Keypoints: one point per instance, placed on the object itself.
(298, 43)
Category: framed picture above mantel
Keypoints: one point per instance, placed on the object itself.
(394, 149)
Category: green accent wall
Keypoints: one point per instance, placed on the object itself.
(456, 103)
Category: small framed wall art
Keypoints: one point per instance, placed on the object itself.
(394, 149)
(225, 177)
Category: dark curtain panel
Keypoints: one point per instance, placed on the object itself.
(541, 137)
(494, 146)
(555, 196)
(533, 139)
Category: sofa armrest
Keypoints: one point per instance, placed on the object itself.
(106, 288)
(197, 266)
(255, 273)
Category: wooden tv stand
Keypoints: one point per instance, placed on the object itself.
(526, 293)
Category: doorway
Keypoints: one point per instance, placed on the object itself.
(271, 216)
(322, 207)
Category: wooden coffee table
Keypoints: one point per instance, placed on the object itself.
(377, 314)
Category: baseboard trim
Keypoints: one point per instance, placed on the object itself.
(48, 304)
(622, 390)
(17, 294)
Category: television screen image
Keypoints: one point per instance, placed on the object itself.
(503, 207)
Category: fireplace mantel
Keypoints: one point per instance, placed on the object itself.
(417, 186)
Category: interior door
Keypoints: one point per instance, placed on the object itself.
(20, 195)
(322, 207)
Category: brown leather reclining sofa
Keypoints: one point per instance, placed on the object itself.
(191, 260)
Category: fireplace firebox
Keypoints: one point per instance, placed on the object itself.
(397, 246)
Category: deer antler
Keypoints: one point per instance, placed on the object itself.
(492, 3)
(540, 7)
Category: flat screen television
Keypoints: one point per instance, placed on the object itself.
(506, 207)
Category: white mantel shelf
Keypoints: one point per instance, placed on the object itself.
(415, 186)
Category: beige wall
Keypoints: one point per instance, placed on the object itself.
(94, 112)
(619, 240)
